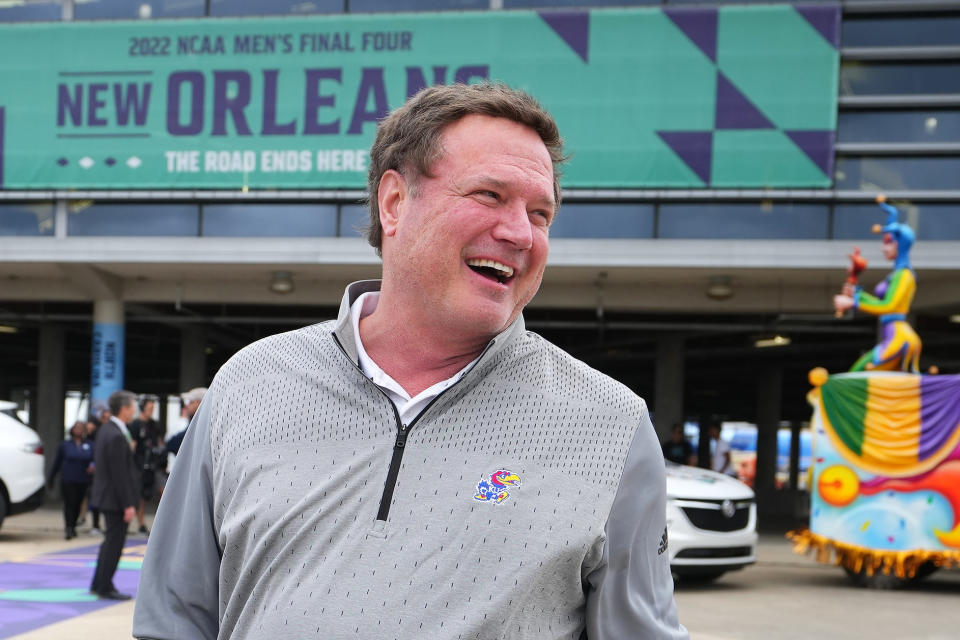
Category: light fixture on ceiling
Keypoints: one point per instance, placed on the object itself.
(955, 318)
(281, 282)
(776, 340)
(720, 288)
(6, 328)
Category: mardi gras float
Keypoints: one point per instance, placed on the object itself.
(885, 490)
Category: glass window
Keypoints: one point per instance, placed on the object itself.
(737, 1)
(929, 221)
(896, 173)
(131, 219)
(897, 78)
(551, 4)
(769, 220)
(897, 30)
(104, 9)
(898, 126)
(28, 219)
(369, 6)
(273, 7)
(270, 220)
(596, 220)
(31, 11)
(354, 218)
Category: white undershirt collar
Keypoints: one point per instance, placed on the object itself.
(123, 427)
(407, 407)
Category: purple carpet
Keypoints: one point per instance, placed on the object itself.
(52, 587)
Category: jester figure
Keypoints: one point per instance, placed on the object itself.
(899, 348)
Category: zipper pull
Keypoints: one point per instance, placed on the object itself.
(401, 437)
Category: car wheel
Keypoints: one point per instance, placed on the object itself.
(924, 570)
(3, 506)
(880, 580)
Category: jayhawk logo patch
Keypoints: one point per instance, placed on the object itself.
(495, 489)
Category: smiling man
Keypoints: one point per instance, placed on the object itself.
(422, 467)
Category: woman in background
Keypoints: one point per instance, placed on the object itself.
(74, 463)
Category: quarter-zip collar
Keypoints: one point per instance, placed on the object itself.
(343, 330)
(344, 336)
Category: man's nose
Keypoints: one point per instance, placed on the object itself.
(513, 226)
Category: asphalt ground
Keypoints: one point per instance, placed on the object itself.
(44, 581)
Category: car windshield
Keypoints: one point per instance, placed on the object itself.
(9, 409)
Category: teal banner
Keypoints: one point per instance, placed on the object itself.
(689, 98)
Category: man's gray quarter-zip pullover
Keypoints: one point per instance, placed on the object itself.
(526, 501)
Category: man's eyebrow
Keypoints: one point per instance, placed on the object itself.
(490, 181)
(546, 200)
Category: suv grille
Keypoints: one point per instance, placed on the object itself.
(721, 552)
(712, 518)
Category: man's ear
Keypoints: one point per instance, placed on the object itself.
(391, 196)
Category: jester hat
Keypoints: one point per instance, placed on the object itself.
(900, 232)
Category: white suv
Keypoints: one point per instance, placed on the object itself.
(21, 465)
(711, 523)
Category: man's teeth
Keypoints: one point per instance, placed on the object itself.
(504, 270)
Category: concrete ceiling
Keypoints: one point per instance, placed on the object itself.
(628, 275)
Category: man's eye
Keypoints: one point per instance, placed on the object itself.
(488, 194)
(543, 214)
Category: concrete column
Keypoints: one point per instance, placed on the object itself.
(668, 384)
(794, 456)
(60, 220)
(51, 389)
(193, 358)
(162, 406)
(769, 391)
(703, 440)
(107, 361)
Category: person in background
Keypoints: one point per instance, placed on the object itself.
(720, 459)
(677, 448)
(92, 425)
(74, 463)
(191, 402)
(115, 490)
(147, 438)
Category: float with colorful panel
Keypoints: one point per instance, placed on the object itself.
(885, 494)
(885, 486)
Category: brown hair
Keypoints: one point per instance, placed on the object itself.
(409, 139)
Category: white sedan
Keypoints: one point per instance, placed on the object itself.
(711, 523)
(21, 465)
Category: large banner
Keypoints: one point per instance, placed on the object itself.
(106, 364)
(703, 97)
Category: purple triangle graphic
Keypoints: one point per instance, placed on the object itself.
(818, 145)
(700, 25)
(572, 26)
(826, 20)
(735, 111)
(695, 148)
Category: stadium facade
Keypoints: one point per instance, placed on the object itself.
(712, 198)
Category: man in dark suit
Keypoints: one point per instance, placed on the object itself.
(115, 490)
